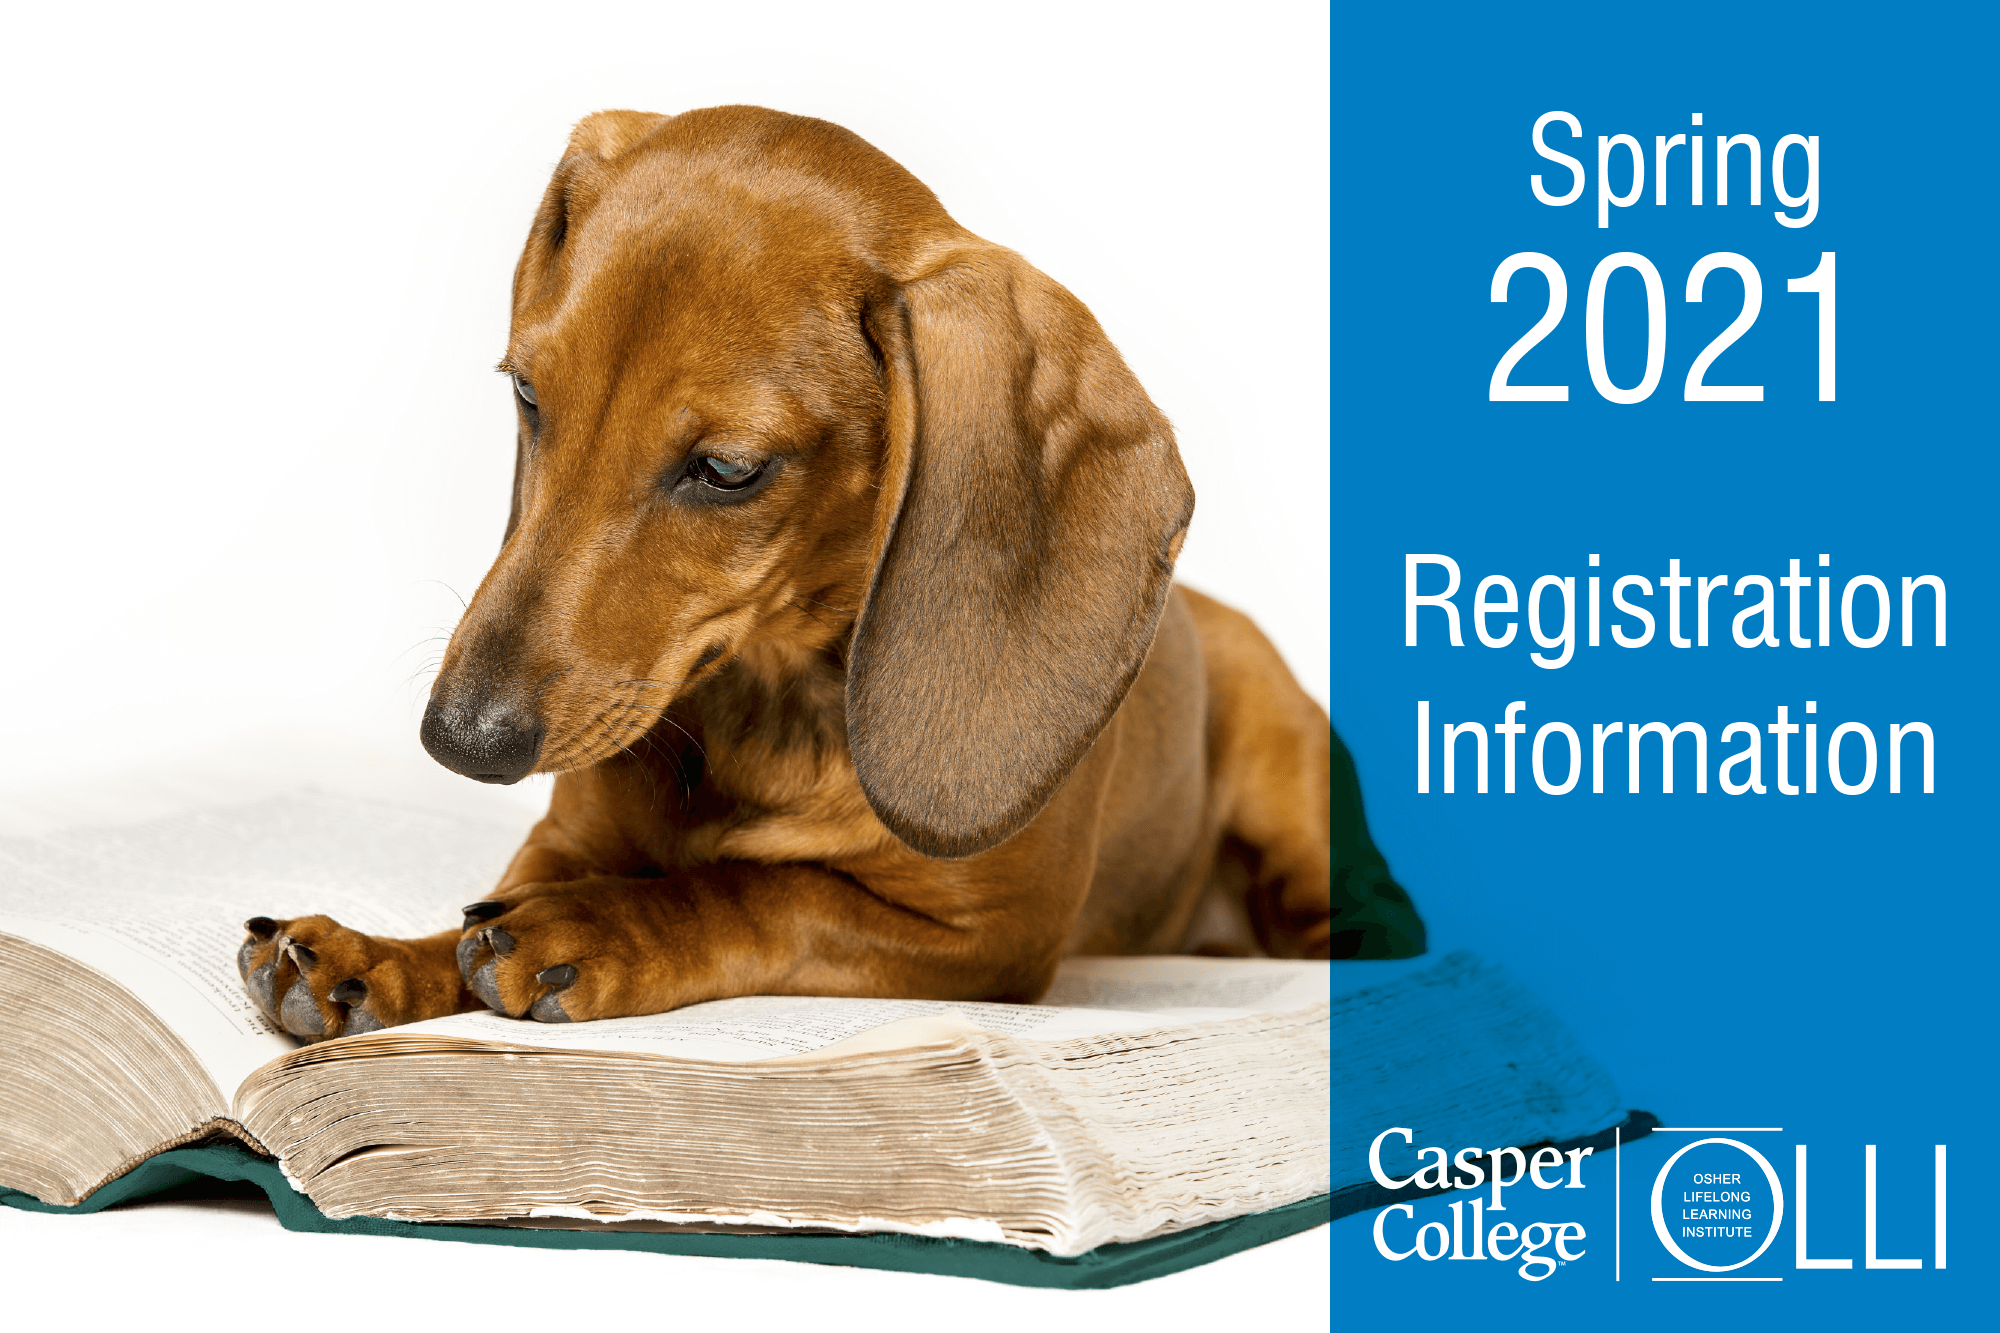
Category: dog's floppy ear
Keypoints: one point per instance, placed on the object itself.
(605, 134)
(597, 139)
(1033, 505)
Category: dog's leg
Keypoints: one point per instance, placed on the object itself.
(1296, 852)
(604, 947)
(581, 945)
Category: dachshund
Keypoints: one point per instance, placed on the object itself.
(837, 591)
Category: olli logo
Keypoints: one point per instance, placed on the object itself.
(1718, 1204)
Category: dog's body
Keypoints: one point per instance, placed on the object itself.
(837, 591)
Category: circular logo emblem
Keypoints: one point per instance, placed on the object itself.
(1717, 1205)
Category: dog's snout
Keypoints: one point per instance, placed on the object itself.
(492, 739)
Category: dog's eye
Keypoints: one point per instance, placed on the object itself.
(526, 390)
(722, 474)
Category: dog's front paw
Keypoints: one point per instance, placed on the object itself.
(317, 979)
(564, 953)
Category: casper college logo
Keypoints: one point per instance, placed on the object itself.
(1717, 1206)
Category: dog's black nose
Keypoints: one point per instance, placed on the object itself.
(491, 739)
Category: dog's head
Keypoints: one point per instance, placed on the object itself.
(771, 394)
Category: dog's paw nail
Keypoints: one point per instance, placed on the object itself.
(299, 1014)
(468, 949)
(301, 954)
(561, 976)
(359, 1021)
(259, 983)
(483, 984)
(263, 927)
(498, 940)
(243, 956)
(479, 912)
(351, 991)
(549, 1009)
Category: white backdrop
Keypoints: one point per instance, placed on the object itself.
(257, 267)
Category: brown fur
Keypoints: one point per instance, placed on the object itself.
(919, 717)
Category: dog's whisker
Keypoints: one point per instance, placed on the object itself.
(447, 587)
(590, 744)
(645, 740)
(616, 726)
(428, 668)
(698, 747)
(435, 638)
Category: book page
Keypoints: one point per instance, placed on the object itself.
(1217, 987)
(1100, 996)
(159, 906)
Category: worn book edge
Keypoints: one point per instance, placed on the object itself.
(204, 1172)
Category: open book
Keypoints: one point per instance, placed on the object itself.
(1143, 1096)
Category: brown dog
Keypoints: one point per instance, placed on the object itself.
(837, 588)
